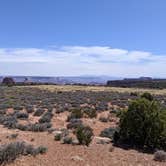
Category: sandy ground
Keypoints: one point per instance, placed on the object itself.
(75, 155)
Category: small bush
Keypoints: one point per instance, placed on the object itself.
(41, 150)
(13, 136)
(90, 112)
(147, 96)
(75, 114)
(8, 121)
(160, 156)
(74, 123)
(58, 137)
(9, 152)
(103, 119)
(18, 107)
(39, 127)
(46, 118)
(67, 140)
(22, 115)
(84, 135)
(108, 132)
(133, 94)
(21, 127)
(29, 149)
(29, 109)
(38, 112)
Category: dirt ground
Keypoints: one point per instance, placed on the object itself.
(75, 155)
(59, 154)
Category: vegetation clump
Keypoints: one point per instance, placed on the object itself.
(8, 81)
(46, 118)
(75, 114)
(39, 112)
(84, 135)
(147, 96)
(143, 125)
(90, 112)
(108, 132)
(22, 115)
(9, 152)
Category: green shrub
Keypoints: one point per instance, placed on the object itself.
(57, 137)
(147, 96)
(133, 94)
(108, 132)
(84, 135)
(46, 118)
(75, 114)
(143, 125)
(38, 112)
(90, 112)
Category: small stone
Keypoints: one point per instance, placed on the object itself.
(77, 158)
(66, 140)
(102, 140)
(75, 142)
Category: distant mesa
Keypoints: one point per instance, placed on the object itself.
(142, 82)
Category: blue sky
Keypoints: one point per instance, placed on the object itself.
(77, 37)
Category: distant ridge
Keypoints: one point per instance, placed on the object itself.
(142, 82)
(95, 80)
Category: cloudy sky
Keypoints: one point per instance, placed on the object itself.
(83, 37)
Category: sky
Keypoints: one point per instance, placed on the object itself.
(122, 38)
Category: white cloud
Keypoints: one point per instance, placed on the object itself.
(79, 60)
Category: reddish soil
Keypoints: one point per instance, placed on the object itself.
(76, 155)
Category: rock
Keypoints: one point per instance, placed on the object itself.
(77, 158)
(66, 140)
(75, 142)
(62, 132)
(57, 132)
(102, 140)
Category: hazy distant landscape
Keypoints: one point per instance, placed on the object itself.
(98, 80)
